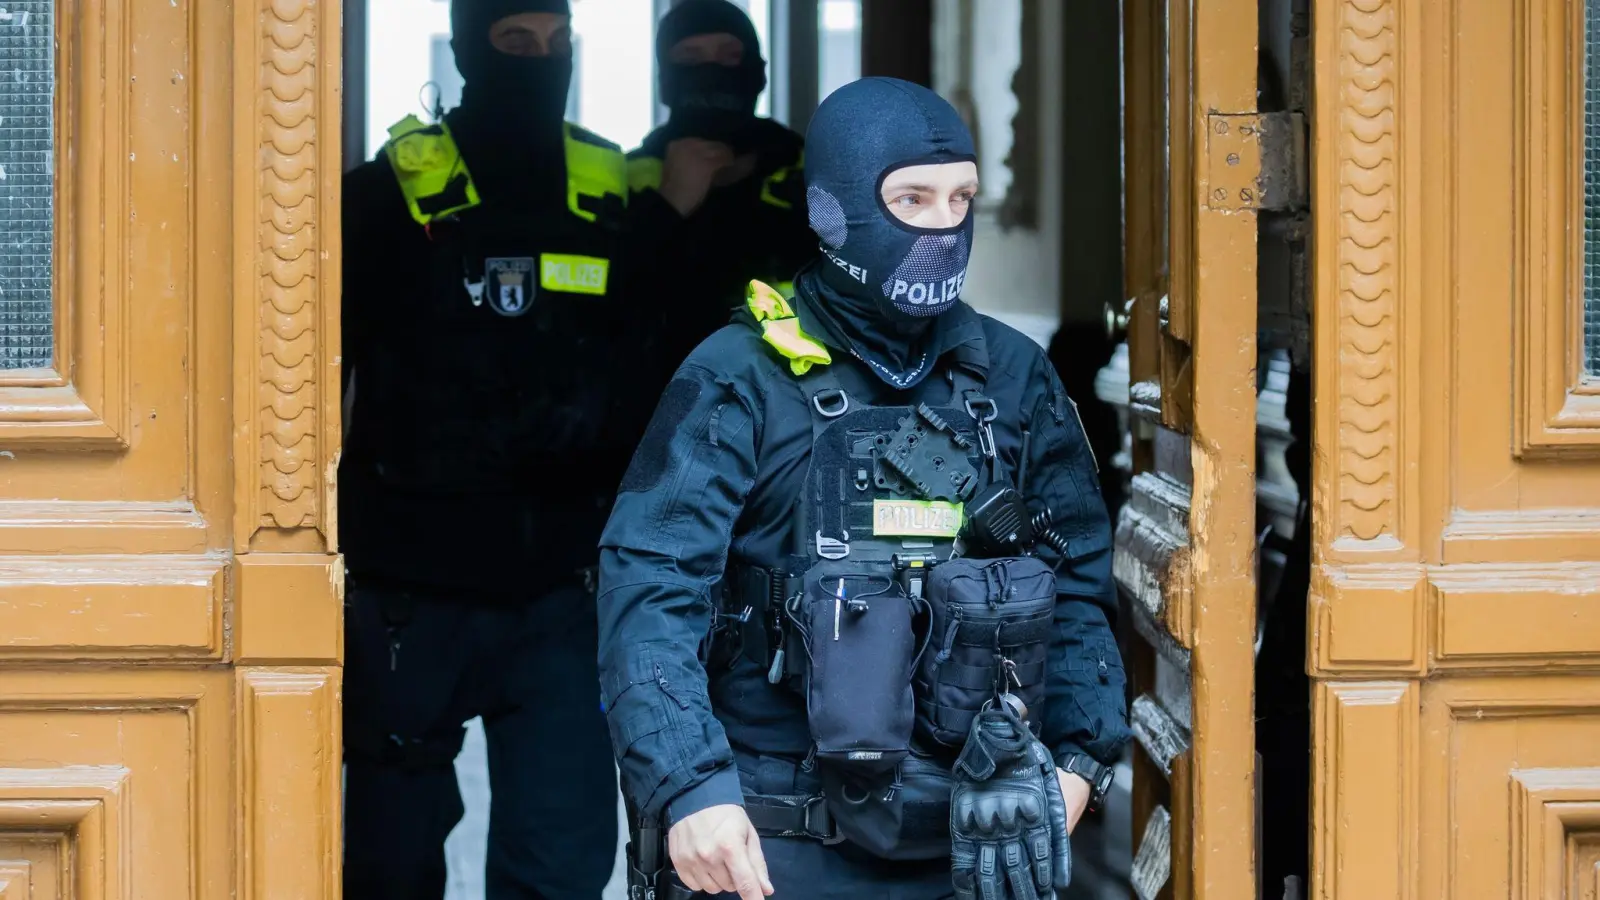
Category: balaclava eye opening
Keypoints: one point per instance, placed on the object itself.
(710, 100)
(526, 94)
(859, 135)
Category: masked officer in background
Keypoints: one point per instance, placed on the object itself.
(875, 514)
(481, 316)
(722, 188)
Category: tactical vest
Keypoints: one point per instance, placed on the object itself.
(503, 364)
(893, 636)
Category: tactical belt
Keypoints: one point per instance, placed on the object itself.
(792, 815)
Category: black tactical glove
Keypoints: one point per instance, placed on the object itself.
(1008, 820)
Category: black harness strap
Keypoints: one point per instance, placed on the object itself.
(792, 815)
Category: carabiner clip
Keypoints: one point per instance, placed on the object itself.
(983, 411)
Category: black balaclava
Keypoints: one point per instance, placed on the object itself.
(517, 96)
(883, 282)
(711, 100)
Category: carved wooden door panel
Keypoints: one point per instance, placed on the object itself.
(169, 592)
(1455, 631)
(1185, 540)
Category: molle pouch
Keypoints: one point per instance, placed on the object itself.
(991, 623)
(901, 815)
(860, 637)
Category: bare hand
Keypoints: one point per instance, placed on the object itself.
(1075, 791)
(716, 850)
(689, 169)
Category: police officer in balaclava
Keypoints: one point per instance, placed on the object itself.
(718, 184)
(855, 594)
(481, 310)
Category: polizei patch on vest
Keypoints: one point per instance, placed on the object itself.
(574, 274)
(509, 284)
(916, 518)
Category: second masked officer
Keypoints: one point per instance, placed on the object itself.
(875, 514)
(722, 188)
(483, 336)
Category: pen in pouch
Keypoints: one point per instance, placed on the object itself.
(838, 602)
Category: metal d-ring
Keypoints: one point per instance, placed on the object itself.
(831, 403)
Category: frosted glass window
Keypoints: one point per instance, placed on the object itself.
(27, 183)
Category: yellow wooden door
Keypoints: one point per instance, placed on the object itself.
(1185, 540)
(169, 425)
(1455, 629)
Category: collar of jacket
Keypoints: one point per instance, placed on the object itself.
(957, 334)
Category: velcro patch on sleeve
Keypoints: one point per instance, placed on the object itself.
(650, 461)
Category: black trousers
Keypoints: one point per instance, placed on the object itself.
(417, 667)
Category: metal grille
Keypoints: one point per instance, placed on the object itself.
(27, 163)
(1591, 192)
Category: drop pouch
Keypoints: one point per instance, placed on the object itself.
(861, 641)
(899, 815)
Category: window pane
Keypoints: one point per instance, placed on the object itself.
(839, 45)
(411, 68)
(27, 162)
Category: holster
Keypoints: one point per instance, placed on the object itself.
(751, 620)
(650, 874)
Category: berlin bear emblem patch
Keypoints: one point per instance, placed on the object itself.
(509, 283)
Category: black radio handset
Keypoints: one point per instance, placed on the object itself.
(998, 521)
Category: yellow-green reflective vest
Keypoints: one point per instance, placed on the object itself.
(436, 182)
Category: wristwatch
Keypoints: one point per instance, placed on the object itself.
(1098, 776)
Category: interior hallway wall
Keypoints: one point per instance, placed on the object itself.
(1055, 252)
(1015, 272)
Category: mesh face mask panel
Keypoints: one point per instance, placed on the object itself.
(928, 280)
(827, 217)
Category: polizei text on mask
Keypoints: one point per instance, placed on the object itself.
(928, 293)
(916, 293)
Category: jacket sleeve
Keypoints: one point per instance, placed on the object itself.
(661, 556)
(1086, 708)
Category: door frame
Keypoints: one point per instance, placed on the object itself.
(1191, 260)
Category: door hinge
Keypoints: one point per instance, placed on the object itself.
(1256, 161)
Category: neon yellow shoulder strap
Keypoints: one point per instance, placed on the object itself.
(596, 169)
(780, 328)
(436, 182)
(433, 177)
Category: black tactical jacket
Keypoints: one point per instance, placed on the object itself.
(714, 483)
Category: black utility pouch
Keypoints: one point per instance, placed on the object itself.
(901, 815)
(991, 625)
(861, 641)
